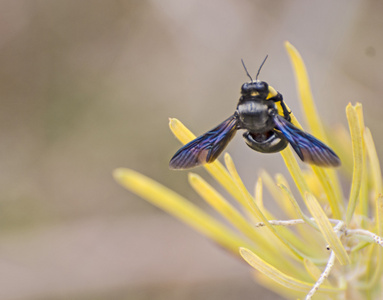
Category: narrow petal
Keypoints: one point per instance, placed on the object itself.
(179, 207)
(357, 149)
(327, 177)
(221, 205)
(377, 269)
(376, 174)
(304, 91)
(260, 215)
(290, 282)
(216, 169)
(327, 230)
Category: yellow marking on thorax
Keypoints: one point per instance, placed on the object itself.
(272, 93)
(279, 108)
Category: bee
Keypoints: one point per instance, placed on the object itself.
(264, 116)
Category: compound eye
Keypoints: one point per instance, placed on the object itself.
(245, 87)
(262, 86)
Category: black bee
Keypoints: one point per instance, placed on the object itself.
(266, 119)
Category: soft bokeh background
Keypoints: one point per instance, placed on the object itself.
(88, 86)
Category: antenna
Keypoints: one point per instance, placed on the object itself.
(243, 64)
(259, 70)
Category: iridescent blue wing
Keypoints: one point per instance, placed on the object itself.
(205, 148)
(308, 148)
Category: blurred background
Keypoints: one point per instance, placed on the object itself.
(88, 86)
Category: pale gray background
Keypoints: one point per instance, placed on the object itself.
(88, 86)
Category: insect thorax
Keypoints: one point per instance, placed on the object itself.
(253, 114)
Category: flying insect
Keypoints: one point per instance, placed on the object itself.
(264, 116)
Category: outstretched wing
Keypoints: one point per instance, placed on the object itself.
(308, 148)
(205, 148)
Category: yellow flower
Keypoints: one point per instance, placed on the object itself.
(334, 253)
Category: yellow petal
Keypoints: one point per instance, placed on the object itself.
(219, 203)
(216, 169)
(179, 207)
(357, 149)
(290, 282)
(295, 171)
(304, 91)
(327, 177)
(376, 176)
(285, 244)
(326, 229)
(312, 269)
(377, 268)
